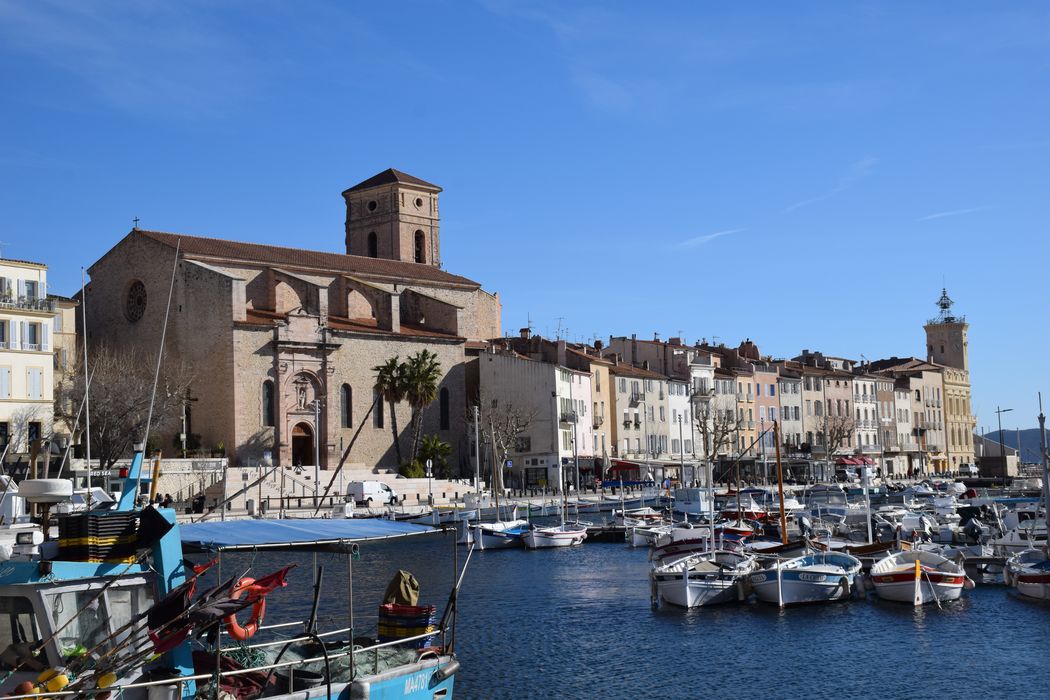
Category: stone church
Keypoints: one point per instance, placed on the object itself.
(282, 341)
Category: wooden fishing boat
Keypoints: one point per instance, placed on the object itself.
(918, 577)
(814, 578)
(1029, 573)
(563, 535)
(706, 578)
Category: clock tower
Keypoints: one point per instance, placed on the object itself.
(946, 342)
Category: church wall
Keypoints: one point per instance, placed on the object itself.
(201, 313)
(351, 363)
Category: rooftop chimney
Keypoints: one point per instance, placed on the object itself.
(524, 333)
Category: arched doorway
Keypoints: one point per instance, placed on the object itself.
(302, 444)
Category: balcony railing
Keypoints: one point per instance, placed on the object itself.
(638, 422)
(30, 346)
(28, 303)
(568, 416)
(598, 421)
(637, 397)
(627, 422)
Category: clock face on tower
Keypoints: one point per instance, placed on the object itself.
(135, 303)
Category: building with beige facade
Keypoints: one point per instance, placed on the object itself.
(26, 356)
(947, 345)
(282, 341)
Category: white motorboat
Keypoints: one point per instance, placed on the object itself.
(681, 540)
(706, 578)
(1029, 573)
(501, 534)
(1028, 534)
(693, 501)
(564, 535)
(918, 577)
(813, 578)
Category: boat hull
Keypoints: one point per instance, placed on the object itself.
(900, 587)
(543, 538)
(802, 586)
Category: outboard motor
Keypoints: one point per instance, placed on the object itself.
(805, 527)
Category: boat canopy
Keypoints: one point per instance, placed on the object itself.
(297, 533)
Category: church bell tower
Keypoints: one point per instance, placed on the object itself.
(946, 342)
(394, 216)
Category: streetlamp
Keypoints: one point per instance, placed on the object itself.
(1002, 449)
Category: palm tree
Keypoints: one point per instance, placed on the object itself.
(438, 451)
(422, 376)
(390, 386)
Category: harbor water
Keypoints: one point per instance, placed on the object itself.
(577, 623)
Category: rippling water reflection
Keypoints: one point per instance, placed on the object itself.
(576, 623)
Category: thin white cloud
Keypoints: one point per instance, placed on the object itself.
(698, 241)
(952, 212)
(857, 171)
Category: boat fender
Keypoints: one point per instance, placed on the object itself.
(968, 583)
(447, 671)
(844, 584)
(255, 593)
(52, 680)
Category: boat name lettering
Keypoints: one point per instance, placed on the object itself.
(758, 578)
(812, 577)
(416, 682)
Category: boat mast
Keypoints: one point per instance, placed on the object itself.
(495, 471)
(87, 387)
(1046, 464)
(477, 459)
(780, 484)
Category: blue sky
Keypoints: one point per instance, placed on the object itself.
(805, 174)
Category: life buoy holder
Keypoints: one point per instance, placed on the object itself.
(256, 594)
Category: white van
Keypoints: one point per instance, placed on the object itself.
(370, 493)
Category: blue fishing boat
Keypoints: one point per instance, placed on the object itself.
(814, 578)
(112, 608)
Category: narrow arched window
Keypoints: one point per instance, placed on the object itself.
(421, 247)
(373, 245)
(268, 409)
(346, 408)
(377, 412)
(443, 404)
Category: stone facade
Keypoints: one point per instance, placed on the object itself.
(267, 331)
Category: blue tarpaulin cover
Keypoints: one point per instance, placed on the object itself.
(247, 534)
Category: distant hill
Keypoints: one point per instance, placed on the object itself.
(1029, 442)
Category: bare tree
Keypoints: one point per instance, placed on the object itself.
(718, 429)
(501, 428)
(19, 425)
(121, 388)
(836, 432)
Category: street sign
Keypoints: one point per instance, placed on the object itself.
(510, 463)
(430, 467)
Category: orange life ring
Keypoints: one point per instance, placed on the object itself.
(256, 594)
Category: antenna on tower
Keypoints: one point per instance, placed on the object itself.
(557, 333)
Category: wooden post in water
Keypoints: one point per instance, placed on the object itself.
(780, 484)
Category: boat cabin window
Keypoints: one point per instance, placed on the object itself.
(84, 630)
(17, 626)
(125, 604)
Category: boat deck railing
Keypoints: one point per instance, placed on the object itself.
(80, 692)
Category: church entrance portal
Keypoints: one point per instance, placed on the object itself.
(302, 444)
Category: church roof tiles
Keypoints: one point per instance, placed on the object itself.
(304, 260)
(391, 176)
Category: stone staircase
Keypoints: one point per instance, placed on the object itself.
(298, 489)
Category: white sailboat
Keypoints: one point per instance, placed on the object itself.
(814, 578)
(707, 578)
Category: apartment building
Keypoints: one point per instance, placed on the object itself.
(556, 400)
(792, 425)
(866, 436)
(27, 360)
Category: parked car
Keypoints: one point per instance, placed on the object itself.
(369, 493)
